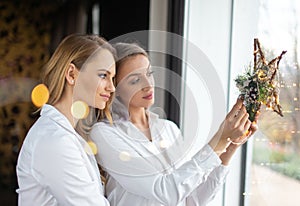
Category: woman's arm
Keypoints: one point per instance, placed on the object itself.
(119, 156)
(143, 175)
(206, 191)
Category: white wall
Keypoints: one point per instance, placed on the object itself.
(208, 26)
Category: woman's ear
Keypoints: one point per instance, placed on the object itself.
(71, 74)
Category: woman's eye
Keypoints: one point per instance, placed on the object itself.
(135, 81)
(102, 76)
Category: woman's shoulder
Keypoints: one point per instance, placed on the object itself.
(48, 138)
(46, 131)
(103, 128)
(167, 123)
(102, 125)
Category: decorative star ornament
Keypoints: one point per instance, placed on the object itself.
(259, 84)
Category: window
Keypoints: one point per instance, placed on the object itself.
(274, 173)
(267, 171)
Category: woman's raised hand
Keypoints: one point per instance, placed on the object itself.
(236, 124)
(235, 128)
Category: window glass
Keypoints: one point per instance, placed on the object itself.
(274, 175)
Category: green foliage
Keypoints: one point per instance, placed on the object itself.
(287, 164)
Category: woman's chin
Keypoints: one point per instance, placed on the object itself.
(101, 106)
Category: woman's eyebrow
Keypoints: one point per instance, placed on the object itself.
(133, 74)
(138, 73)
(104, 70)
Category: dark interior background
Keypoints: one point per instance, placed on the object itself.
(30, 30)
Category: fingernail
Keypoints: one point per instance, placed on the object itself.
(241, 96)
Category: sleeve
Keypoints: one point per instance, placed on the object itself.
(206, 191)
(60, 167)
(125, 163)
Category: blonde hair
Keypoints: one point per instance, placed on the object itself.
(76, 49)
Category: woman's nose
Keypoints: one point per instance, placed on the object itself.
(111, 87)
(148, 83)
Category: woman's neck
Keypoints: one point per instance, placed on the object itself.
(64, 106)
(139, 118)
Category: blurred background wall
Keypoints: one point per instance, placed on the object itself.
(30, 30)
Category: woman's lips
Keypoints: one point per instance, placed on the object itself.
(105, 96)
(148, 97)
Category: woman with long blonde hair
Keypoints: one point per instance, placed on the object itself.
(55, 165)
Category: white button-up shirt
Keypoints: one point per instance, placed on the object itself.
(159, 172)
(53, 166)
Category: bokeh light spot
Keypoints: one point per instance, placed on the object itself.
(164, 144)
(79, 110)
(40, 95)
(91, 148)
(124, 156)
(152, 148)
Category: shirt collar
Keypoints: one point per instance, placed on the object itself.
(52, 113)
(130, 129)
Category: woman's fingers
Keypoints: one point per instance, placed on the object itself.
(235, 109)
(240, 115)
(240, 124)
(238, 127)
(253, 127)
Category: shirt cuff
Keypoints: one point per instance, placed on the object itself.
(207, 158)
(219, 173)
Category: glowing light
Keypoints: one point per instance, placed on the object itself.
(79, 110)
(246, 133)
(295, 99)
(269, 107)
(40, 95)
(294, 84)
(247, 193)
(164, 144)
(124, 156)
(152, 148)
(91, 148)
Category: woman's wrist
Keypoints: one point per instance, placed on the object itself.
(219, 143)
(227, 155)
